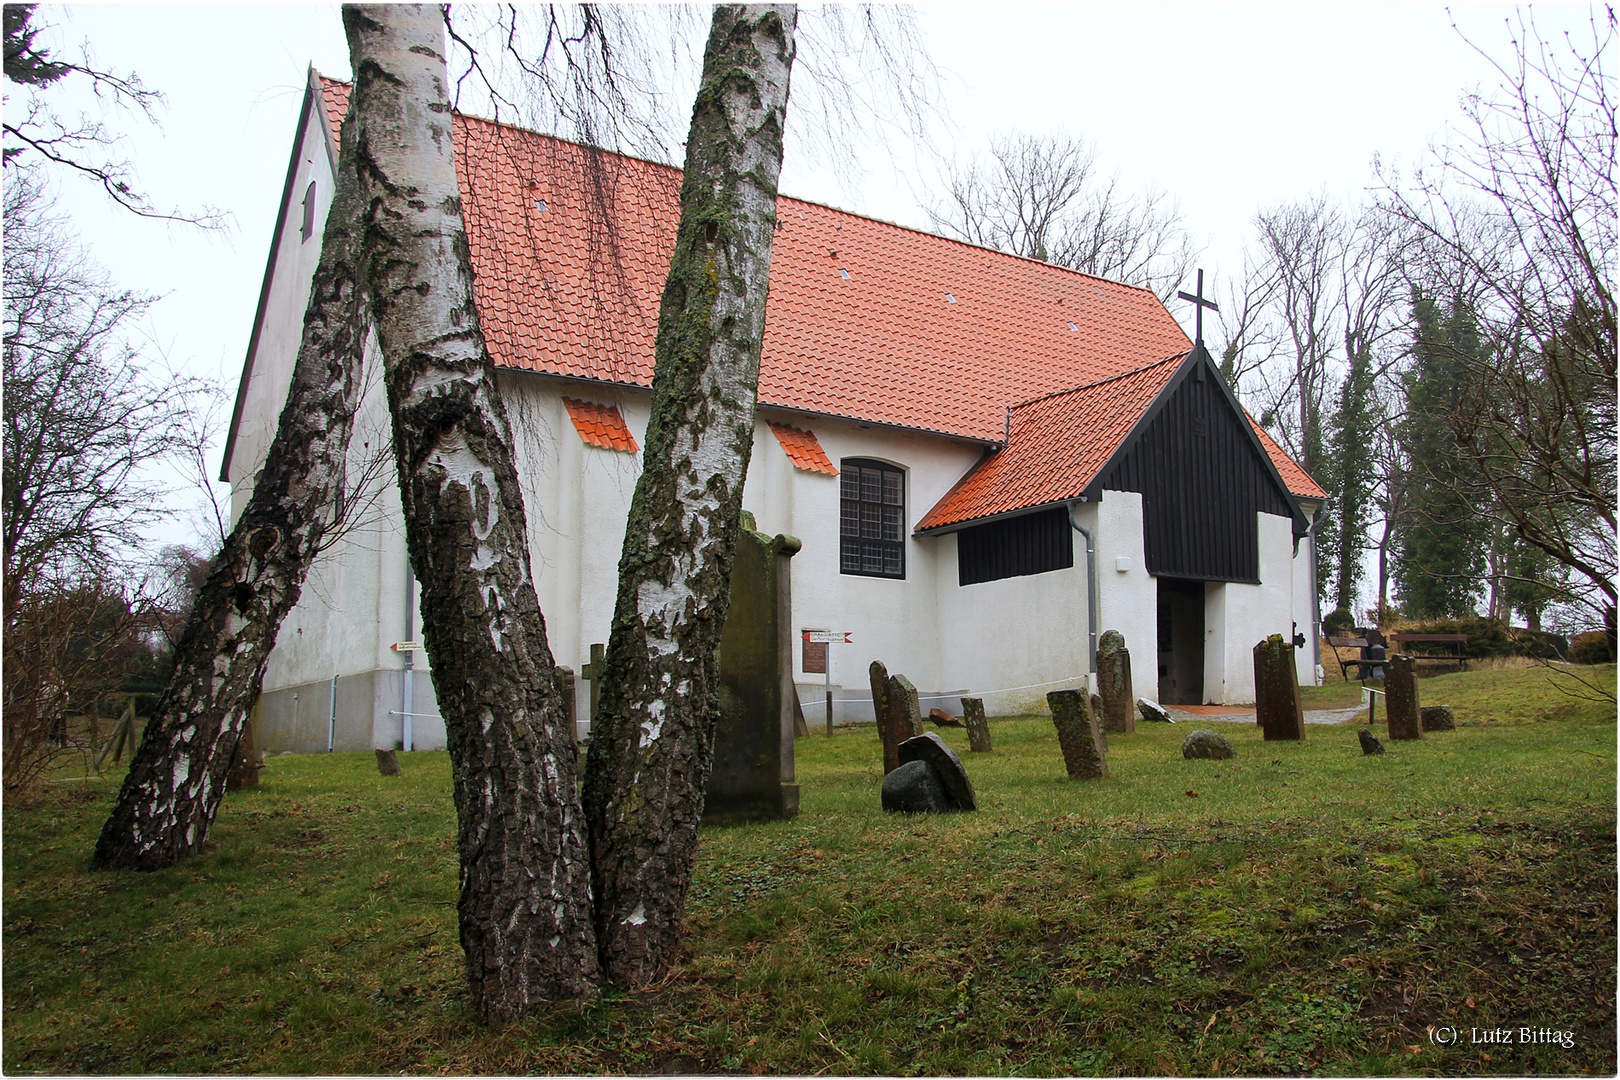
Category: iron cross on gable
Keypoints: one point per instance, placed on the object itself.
(1197, 297)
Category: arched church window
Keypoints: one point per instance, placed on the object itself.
(872, 531)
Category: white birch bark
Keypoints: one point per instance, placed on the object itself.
(525, 908)
(177, 777)
(651, 737)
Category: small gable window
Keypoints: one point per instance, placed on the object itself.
(307, 229)
(873, 519)
(1014, 547)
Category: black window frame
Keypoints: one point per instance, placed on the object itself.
(877, 545)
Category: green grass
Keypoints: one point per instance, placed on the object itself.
(1298, 909)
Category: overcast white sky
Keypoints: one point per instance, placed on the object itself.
(1228, 107)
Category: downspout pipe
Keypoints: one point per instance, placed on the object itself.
(1091, 587)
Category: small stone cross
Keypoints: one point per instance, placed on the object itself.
(1197, 297)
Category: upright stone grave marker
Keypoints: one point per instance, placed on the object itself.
(1401, 699)
(901, 721)
(564, 678)
(879, 676)
(978, 728)
(1085, 747)
(752, 778)
(1276, 691)
(1114, 684)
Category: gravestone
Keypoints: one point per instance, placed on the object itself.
(1152, 710)
(915, 788)
(1114, 683)
(592, 673)
(1401, 705)
(1085, 747)
(932, 749)
(1437, 718)
(1205, 743)
(387, 763)
(978, 728)
(879, 676)
(800, 728)
(941, 718)
(1276, 691)
(1369, 742)
(899, 721)
(752, 777)
(564, 678)
(1096, 707)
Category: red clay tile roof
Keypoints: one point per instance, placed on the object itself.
(1298, 480)
(562, 293)
(600, 425)
(1055, 446)
(558, 293)
(803, 449)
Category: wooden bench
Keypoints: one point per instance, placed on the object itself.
(1355, 643)
(1456, 653)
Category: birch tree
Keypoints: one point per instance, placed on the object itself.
(651, 736)
(177, 777)
(524, 906)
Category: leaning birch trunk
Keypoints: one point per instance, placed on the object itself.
(525, 906)
(177, 777)
(650, 739)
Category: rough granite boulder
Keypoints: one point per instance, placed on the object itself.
(1205, 743)
(1369, 742)
(932, 749)
(1437, 718)
(915, 788)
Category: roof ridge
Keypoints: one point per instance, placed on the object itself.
(792, 198)
(1100, 382)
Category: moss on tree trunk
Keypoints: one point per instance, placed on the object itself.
(651, 736)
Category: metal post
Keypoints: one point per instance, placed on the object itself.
(331, 718)
(826, 675)
(410, 657)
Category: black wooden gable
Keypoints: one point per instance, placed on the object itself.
(1203, 476)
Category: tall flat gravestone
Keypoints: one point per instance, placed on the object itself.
(752, 777)
(900, 720)
(1401, 699)
(978, 728)
(1276, 691)
(1085, 747)
(1114, 684)
(564, 678)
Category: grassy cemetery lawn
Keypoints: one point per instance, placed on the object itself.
(1447, 908)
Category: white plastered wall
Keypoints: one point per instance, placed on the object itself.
(1238, 616)
(1128, 598)
(893, 620)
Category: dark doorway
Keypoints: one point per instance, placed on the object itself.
(1181, 641)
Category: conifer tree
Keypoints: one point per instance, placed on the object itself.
(1441, 540)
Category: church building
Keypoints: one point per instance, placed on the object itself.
(989, 460)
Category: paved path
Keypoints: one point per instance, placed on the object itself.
(1312, 716)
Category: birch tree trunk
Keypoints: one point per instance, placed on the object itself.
(651, 736)
(177, 778)
(525, 905)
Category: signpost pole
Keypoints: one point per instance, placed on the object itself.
(828, 678)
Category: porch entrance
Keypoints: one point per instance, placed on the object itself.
(1181, 641)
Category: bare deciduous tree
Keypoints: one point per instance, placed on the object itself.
(81, 146)
(1521, 205)
(1043, 198)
